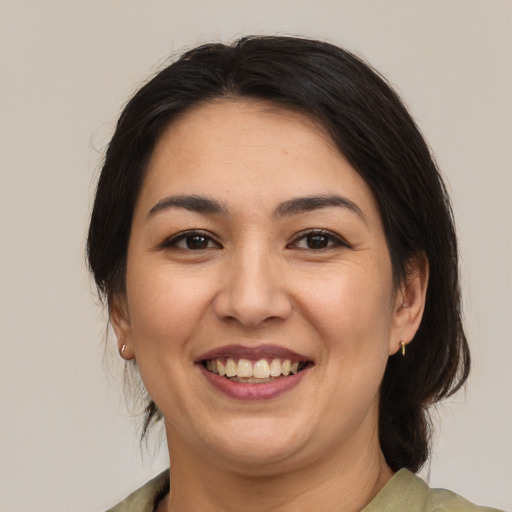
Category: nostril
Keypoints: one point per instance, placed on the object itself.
(252, 293)
(252, 312)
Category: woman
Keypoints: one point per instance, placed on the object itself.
(277, 251)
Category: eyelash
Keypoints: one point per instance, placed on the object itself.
(179, 237)
(332, 240)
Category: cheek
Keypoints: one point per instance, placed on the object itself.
(352, 314)
(351, 307)
(165, 306)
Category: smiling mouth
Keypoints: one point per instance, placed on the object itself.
(259, 371)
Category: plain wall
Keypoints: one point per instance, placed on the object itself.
(67, 441)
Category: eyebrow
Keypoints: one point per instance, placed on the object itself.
(193, 203)
(295, 206)
(310, 203)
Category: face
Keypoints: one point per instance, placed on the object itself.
(257, 252)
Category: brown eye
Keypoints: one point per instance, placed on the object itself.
(318, 240)
(197, 242)
(191, 241)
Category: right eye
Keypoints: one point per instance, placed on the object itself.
(192, 241)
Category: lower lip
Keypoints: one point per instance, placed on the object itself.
(242, 391)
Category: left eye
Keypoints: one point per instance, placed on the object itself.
(317, 240)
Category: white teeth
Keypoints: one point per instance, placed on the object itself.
(230, 368)
(275, 368)
(261, 369)
(244, 368)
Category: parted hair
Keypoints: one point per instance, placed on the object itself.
(371, 127)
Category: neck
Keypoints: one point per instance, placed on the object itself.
(343, 481)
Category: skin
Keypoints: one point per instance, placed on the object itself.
(258, 279)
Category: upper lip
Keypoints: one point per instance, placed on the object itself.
(252, 353)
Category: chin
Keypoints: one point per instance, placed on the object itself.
(258, 447)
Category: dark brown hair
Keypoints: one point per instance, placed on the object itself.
(373, 130)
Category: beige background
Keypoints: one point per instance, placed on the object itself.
(66, 440)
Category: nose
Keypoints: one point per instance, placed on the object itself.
(253, 291)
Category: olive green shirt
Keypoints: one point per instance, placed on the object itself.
(405, 492)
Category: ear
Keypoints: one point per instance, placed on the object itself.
(410, 302)
(120, 320)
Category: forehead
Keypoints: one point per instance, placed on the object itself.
(241, 151)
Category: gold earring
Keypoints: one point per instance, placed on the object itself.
(402, 344)
(123, 348)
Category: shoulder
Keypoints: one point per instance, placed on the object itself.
(408, 492)
(145, 498)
